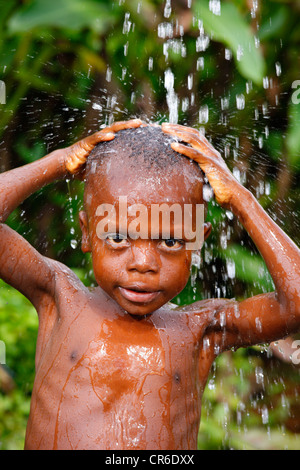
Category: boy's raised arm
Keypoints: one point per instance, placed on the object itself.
(266, 317)
(20, 264)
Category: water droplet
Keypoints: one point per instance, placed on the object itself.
(172, 99)
(168, 9)
(202, 43)
(266, 82)
(215, 7)
(211, 385)
(248, 87)
(278, 69)
(127, 24)
(207, 192)
(97, 106)
(258, 324)
(223, 240)
(185, 104)
(267, 132)
(74, 244)
(196, 260)
(108, 74)
(200, 63)
(237, 174)
(265, 415)
(224, 103)
(230, 265)
(165, 30)
(259, 375)
(240, 101)
(203, 114)
(254, 8)
(228, 54)
(240, 52)
(124, 72)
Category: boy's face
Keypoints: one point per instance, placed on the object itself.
(140, 274)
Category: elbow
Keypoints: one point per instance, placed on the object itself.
(289, 303)
(293, 309)
(4, 213)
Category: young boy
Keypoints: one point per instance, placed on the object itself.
(119, 367)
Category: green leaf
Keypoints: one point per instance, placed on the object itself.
(234, 32)
(69, 14)
(274, 25)
(293, 133)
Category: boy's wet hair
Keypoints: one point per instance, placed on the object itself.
(145, 150)
(148, 146)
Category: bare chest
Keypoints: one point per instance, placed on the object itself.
(119, 378)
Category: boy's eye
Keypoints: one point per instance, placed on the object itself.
(116, 239)
(171, 244)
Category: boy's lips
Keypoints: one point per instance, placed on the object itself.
(138, 294)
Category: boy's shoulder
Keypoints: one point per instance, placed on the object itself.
(68, 284)
(65, 274)
(213, 305)
(201, 313)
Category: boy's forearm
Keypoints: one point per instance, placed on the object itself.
(281, 255)
(18, 184)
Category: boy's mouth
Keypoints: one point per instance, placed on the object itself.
(138, 294)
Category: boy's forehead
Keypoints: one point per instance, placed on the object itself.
(140, 186)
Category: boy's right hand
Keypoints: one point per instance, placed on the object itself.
(222, 181)
(76, 155)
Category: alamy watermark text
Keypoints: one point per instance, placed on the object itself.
(159, 221)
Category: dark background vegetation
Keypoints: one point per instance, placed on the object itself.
(71, 66)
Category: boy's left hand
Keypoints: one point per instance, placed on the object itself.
(77, 154)
(222, 181)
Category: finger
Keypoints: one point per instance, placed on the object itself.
(189, 132)
(169, 128)
(122, 125)
(98, 137)
(194, 141)
(176, 129)
(191, 153)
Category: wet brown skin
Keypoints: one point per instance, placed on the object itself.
(116, 374)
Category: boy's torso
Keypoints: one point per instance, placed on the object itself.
(106, 380)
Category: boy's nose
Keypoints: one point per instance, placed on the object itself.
(143, 259)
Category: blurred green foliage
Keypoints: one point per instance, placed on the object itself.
(18, 329)
(70, 66)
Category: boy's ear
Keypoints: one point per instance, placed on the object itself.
(207, 230)
(85, 243)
